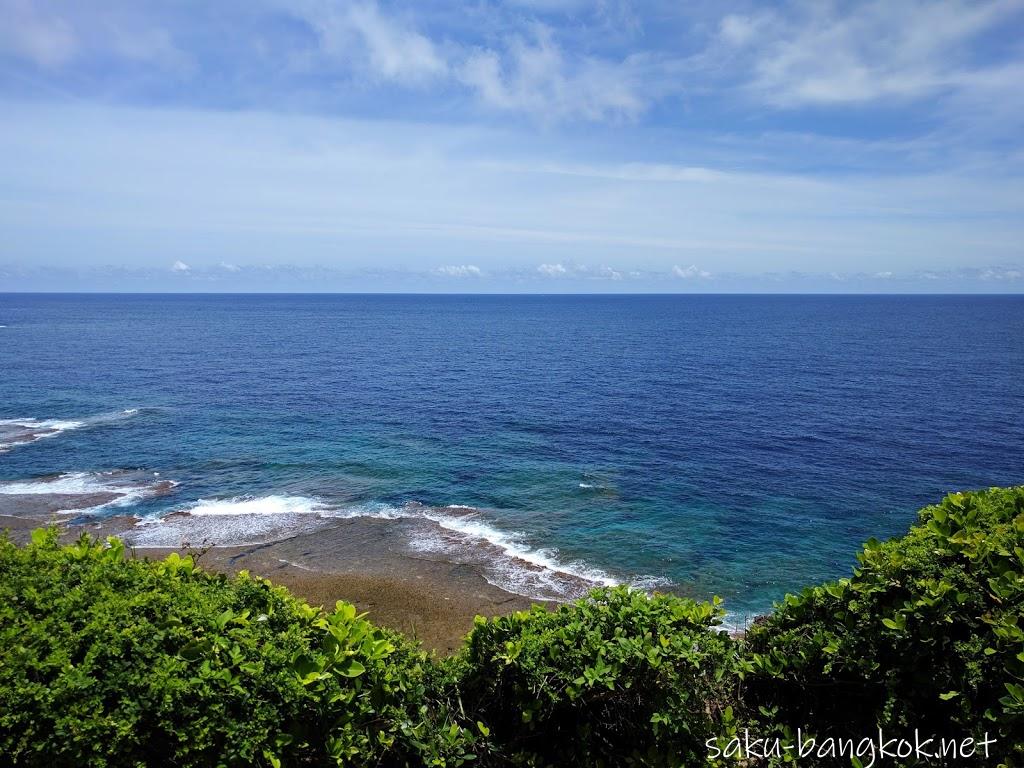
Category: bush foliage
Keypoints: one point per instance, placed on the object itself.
(927, 633)
(621, 678)
(113, 661)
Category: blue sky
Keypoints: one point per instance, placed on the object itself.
(534, 145)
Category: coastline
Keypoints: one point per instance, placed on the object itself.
(429, 599)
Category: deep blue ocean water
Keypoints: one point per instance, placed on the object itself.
(736, 445)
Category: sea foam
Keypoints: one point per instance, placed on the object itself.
(234, 521)
(262, 505)
(506, 558)
(457, 533)
(16, 432)
(124, 488)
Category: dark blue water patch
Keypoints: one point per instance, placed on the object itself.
(736, 445)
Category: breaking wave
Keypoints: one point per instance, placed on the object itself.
(456, 533)
(18, 432)
(89, 492)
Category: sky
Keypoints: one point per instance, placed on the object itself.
(523, 146)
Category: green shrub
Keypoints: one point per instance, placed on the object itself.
(619, 678)
(112, 661)
(928, 633)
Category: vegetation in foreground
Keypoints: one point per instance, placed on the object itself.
(112, 661)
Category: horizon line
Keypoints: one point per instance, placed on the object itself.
(510, 293)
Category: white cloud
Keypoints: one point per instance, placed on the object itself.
(228, 267)
(535, 76)
(580, 271)
(883, 275)
(250, 187)
(822, 53)
(738, 30)
(690, 272)
(552, 270)
(461, 270)
(386, 47)
(180, 267)
(51, 39)
(1002, 273)
(523, 69)
(144, 43)
(642, 172)
(396, 51)
(29, 32)
(558, 6)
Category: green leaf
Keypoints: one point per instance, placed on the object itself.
(195, 650)
(1016, 691)
(350, 668)
(40, 536)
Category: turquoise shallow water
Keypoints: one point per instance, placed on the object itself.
(736, 445)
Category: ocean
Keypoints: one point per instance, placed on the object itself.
(743, 446)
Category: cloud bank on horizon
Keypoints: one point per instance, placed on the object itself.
(527, 145)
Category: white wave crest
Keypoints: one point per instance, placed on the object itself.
(16, 432)
(58, 425)
(123, 489)
(72, 483)
(260, 505)
(234, 521)
(507, 559)
(513, 545)
(457, 533)
(736, 623)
